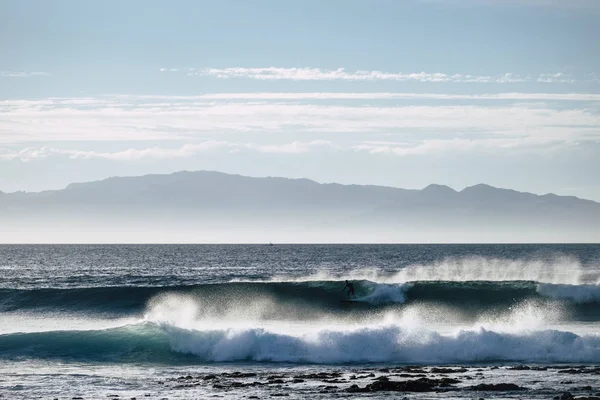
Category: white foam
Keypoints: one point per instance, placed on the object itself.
(385, 293)
(384, 344)
(528, 316)
(409, 336)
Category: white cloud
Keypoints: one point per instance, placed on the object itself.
(373, 96)
(21, 74)
(341, 74)
(182, 120)
(295, 147)
(319, 74)
(433, 146)
(187, 150)
(402, 149)
(558, 77)
(245, 121)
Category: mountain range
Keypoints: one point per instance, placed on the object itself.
(205, 206)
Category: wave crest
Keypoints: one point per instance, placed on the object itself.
(165, 343)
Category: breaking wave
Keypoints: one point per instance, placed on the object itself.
(308, 296)
(165, 343)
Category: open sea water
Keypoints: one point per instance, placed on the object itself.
(236, 321)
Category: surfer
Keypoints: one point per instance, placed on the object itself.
(350, 287)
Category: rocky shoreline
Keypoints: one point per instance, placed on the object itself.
(470, 382)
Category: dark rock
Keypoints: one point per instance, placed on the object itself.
(279, 394)
(238, 374)
(411, 370)
(445, 382)
(320, 375)
(575, 389)
(497, 387)
(296, 380)
(354, 389)
(371, 375)
(519, 368)
(209, 377)
(448, 370)
(382, 378)
(417, 385)
(275, 381)
(253, 397)
(566, 396)
(328, 389)
(182, 386)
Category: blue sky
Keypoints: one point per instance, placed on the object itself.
(399, 93)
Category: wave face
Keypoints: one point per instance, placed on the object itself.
(159, 343)
(308, 297)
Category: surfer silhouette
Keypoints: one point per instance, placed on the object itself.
(350, 287)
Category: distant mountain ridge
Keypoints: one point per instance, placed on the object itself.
(200, 205)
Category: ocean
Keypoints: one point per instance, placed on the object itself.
(248, 321)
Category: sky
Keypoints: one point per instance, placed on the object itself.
(401, 93)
